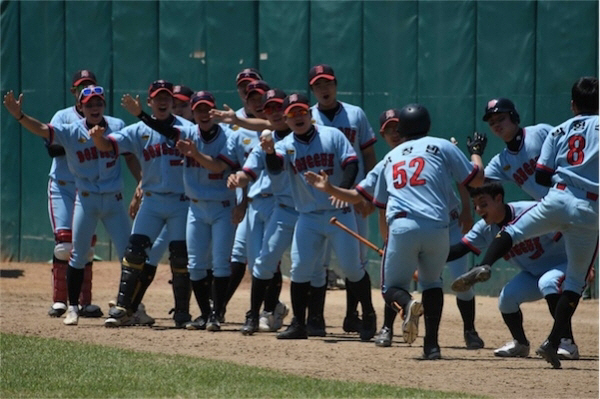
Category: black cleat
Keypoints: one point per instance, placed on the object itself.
(472, 340)
(91, 311)
(548, 352)
(478, 274)
(316, 327)
(251, 324)
(432, 353)
(369, 326)
(294, 331)
(352, 323)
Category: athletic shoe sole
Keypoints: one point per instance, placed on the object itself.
(410, 326)
(477, 274)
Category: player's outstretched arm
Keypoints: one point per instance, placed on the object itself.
(321, 182)
(33, 125)
(101, 142)
(189, 149)
(131, 105)
(228, 115)
(465, 219)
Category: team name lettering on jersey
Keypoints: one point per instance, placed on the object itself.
(527, 169)
(349, 133)
(157, 150)
(92, 153)
(311, 161)
(526, 246)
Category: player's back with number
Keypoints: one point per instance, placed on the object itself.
(571, 152)
(418, 176)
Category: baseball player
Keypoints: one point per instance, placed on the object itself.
(98, 182)
(61, 201)
(543, 261)
(414, 190)
(313, 147)
(460, 219)
(515, 163)
(209, 219)
(278, 229)
(352, 121)
(164, 204)
(181, 102)
(568, 164)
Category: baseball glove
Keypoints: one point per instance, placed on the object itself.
(476, 144)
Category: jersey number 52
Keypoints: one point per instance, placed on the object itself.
(401, 174)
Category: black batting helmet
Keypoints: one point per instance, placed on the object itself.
(499, 105)
(413, 120)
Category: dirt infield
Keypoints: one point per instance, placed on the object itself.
(26, 295)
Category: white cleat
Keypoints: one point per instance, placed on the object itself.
(279, 314)
(72, 316)
(512, 349)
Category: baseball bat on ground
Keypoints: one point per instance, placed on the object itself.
(354, 234)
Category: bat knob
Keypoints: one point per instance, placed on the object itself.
(333, 220)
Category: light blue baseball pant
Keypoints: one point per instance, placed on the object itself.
(209, 235)
(362, 225)
(525, 287)
(415, 244)
(277, 238)
(89, 209)
(238, 252)
(260, 210)
(461, 265)
(310, 236)
(158, 211)
(576, 219)
(159, 247)
(61, 202)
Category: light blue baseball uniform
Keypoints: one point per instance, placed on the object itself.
(352, 121)
(61, 184)
(238, 147)
(519, 166)
(570, 152)
(281, 220)
(164, 202)
(328, 150)
(209, 232)
(542, 260)
(99, 185)
(415, 190)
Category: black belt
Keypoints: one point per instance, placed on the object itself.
(400, 215)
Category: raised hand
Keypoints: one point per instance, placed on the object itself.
(319, 181)
(187, 148)
(131, 105)
(96, 132)
(13, 106)
(476, 144)
(226, 115)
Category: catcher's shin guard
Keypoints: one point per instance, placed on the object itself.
(144, 280)
(59, 280)
(182, 288)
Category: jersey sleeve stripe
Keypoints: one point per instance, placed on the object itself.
(232, 165)
(378, 204)
(473, 248)
(544, 168)
(250, 173)
(50, 134)
(471, 175)
(349, 160)
(115, 145)
(557, 237)
(364, 193)
(368, 143)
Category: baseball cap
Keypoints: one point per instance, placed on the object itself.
(259, 86)
(273, 95)
(498, 105)
(182, 92)
(247, 75)
(160, 85)
(391, 115)
(83, 75)
(203, 97)
(91, 91)
(295, 100)
(320, 71)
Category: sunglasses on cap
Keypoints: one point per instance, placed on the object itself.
(272, 108)
(295, 113)
(88, 91)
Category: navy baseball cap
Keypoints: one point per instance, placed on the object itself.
(160, 85)
(83, 75)
(182, 92)
(247, 75)
(391, 115)
(295, 100)
(273, 95)
(499, 105)
(203, 97)
(259, 86)
(320, 71)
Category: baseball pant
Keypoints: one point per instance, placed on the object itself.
(525, 287)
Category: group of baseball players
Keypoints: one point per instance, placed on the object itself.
(227, 191)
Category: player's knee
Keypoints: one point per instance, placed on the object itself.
(62, 250)
(135, 253)
(178, 256)
(507, 304)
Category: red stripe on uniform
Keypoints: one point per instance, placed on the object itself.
(368, 143)
(473, 248)
(364, 193)
(471, 176)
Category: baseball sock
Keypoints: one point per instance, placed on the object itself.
(273, 292)
(514, 322)
(433, 302)
(209, 275)
(552, 300)
(257, 294)
(74, 282)
(389, 315)
(201, 290)
(299, 293)
(467, 311)
(362, 290)
(498, 248)
(316, 301)
(351, 301)
(144, 280)
(565, 308)
(221, 285)
(238, 269)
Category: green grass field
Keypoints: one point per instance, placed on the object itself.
(41, 367)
